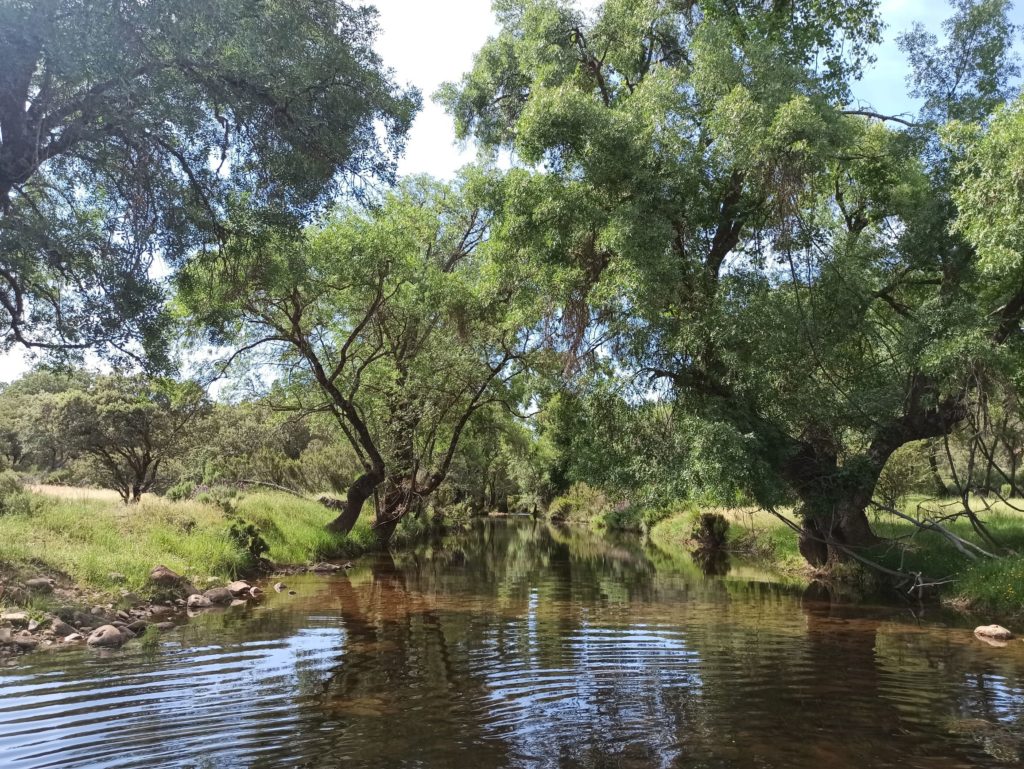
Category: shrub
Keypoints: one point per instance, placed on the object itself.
(180, 491)
(580, 504)
(13, 497)
(247, 537)
(710, 531)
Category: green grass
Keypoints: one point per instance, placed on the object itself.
(89, 538)
(992, 587)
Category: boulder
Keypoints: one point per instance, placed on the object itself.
(106, 636)
(138, 626)
(161, 575)
(239, 587)
(25, 642)
(199, 602)
(34, 625)
(40, 585)
(165, 626)
(995, 632)
(16, 618)
(61, 628)
(217, 595)
(255, 592)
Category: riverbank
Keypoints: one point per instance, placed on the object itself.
(985, 587)
(81, 550)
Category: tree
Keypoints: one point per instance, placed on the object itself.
(782, 260)
(131, 426)
(129, 131)
(397, 322)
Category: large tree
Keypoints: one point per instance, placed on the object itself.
(131, 426)
(129, 130)
(782, 258)
(396, 321)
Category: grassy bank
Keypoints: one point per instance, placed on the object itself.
(986, 587)
(88, 535)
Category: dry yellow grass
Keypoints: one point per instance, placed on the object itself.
(79, 492)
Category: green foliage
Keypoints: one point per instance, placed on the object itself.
(246, 536)
(129, 426)
(14, 500)
(180, 491)
(117, 146)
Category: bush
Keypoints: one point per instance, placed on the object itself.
(710, 531)
(580, 504)
(180, 491)
(249, 540)
(13, 497)
(1006, 491)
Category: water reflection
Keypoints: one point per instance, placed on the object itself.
(517, 645)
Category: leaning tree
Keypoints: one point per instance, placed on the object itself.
(397, 321)
(785, 258)
(129, 131)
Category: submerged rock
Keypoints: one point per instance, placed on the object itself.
(995, 632)
(106, 636)
(280, 586)
(217, 595)
(255, 592)
(199, 601)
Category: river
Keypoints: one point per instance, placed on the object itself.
(520, 645)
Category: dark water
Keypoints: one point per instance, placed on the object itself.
(517, 646)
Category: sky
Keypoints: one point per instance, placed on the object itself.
(428, 43)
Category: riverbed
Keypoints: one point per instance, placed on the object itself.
(518, 644)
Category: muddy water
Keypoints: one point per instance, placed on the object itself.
(520, 646)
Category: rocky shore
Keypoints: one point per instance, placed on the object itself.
(72, 616)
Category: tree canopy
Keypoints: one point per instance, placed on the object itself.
(131, 132)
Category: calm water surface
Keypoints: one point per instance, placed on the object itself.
(521, 646)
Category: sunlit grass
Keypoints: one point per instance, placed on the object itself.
(89, 537)
(993, 586)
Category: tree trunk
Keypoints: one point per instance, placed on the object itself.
(941, 490)
(360, 490)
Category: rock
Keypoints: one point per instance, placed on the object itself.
(73, 638)
(165, 626)
(347, 565)
(161, 575)
(98, 611)
(292, 592)
(218, 595)
(117, 577)
(323, 568)
(129, 599)
(138, 626)
(106, 636)
(40, 585)
(995, 632)
(189, 589)
(25, 642)
(5, 635)
(239, 602)
(33, 625)
(61, 628)
(123, 616)
(199, 602)
(239, 587)
(16, 618)
(280, 586)
(255, 592)
(160, 611)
